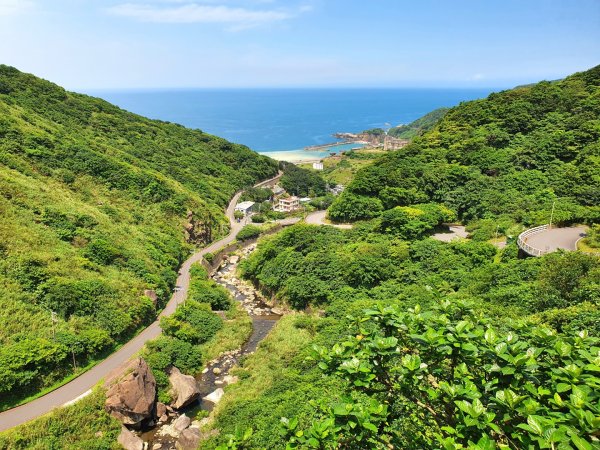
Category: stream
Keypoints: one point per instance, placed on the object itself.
(216, 373)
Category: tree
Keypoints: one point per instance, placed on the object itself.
(351, 207)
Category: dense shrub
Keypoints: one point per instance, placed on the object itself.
(192, 322)
(248, 232)
(422, 380)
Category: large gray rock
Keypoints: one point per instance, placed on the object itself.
(215, 396)
(181, 423)
(130, 441)
(184, 388)
(189, 439)
(131, 392)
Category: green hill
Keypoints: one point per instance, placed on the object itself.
(418, 126)
(510, 155)
(93, 204)
(403, 341)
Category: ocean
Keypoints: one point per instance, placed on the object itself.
(282, 122)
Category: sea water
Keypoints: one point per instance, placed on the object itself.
(288, 120)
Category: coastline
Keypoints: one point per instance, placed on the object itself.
(314, 153)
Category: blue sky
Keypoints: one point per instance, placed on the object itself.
(93, 44)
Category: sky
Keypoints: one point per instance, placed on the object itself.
(143, 44)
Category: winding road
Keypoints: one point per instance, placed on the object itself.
(82, 385)
(318, 218)
(551, 239)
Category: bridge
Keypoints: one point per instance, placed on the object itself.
(544, 239)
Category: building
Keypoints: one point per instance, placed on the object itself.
(288, 204)
(318, 165)
(245, 207)
(305, 199)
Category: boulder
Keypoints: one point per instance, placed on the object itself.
(161, 409)
(130, 441)
(184, 388)
(181, 423)
(215, 396)
(189, 439)
(131, 393)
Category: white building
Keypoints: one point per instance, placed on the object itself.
(288, 204)
(318, 165)
(305, 199)
(245, 207)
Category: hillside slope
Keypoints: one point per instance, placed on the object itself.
(510, 155)
(418, 126)
(93, 205)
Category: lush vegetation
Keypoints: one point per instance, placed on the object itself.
(419, 126)
(408, 342)
(509, 156)
(303, 182)
(258, 195)
(249, 232)
(489, 323)
(192, 324)
(445, 378)
(94, 201)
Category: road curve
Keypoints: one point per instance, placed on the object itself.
(553, 239)
(318, 218)
(81, 385)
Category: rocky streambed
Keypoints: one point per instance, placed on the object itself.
(176, 430)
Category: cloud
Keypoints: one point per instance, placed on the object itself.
(10, 7)
(477, 77)
(235, 17)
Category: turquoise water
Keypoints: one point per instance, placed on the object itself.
(302, 154)
(268, 120)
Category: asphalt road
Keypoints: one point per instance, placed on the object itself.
(556, 238)
(83, 384)
(318, 218)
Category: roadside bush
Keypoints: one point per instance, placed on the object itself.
(211, 293)
(248, 232)
(192, 322)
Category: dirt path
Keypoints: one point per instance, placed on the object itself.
(81, 386)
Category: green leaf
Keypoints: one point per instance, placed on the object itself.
(369, 426)
(580, 443)
(535, 424)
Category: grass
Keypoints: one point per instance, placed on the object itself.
(341, 169)
(236, 330)
(583, 246)
(275, 381)
(83, 425)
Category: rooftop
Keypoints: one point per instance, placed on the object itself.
(244, 205)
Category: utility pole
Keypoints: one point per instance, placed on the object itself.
(552, 214)
(53, 319)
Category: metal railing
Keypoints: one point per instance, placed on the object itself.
(523, 245)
